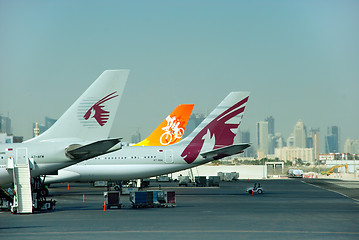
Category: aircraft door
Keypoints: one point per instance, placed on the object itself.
(168, 156)
(21, 156)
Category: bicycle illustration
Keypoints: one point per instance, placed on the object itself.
(172, 131)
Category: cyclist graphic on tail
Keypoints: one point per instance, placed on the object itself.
(172, 131)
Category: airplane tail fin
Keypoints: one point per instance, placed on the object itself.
(91, 116)
(170, 131)
(218, 130)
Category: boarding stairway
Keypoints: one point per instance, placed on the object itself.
(22, 183)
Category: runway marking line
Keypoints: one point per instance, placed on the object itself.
(355, 200)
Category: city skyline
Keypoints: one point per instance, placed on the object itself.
(298, 59)
(316, 140)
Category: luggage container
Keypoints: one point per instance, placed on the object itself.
(158, 198)
(112, 199)
(161, 198)
(171, 199)
(213, 181)
(183, 181)
(139, 199)
(201, 181)
(151, 197)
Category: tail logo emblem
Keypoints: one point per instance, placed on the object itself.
(172, 131)
(97, 112)
(220, 132)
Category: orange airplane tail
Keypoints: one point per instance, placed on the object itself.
(171, 130)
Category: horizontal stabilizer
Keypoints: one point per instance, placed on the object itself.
(82, 152)
(225, 151)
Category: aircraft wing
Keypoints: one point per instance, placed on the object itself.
(82, 152)
(225, 151)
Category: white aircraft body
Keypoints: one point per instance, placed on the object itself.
(213, 139)
(75, 135)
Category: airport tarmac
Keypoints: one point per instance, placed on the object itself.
(288, 209)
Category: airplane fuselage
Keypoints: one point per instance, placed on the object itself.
(131, 162)
(43, 157)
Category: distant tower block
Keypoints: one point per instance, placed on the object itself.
(36, 130)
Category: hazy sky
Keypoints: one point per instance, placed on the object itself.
(299, 59)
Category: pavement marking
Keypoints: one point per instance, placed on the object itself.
(345, 184)
(355, 200)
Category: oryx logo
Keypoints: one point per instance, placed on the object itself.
(97, 112)
(220, 132)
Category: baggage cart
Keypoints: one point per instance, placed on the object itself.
(170, 199)
(112, 199)
(201, 181)
(139, 199)
(213, 181)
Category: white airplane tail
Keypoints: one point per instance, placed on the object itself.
(214, 137)
(92, 115)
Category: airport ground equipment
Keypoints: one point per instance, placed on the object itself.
(6, 197)
(201, 181)
(145, 182)
(100, 184)
(213, 181)
(22, 182)
(112, 199)
(183, 181)
(295, 173)
(128, 187)
(228, 176)
(153, 198)
(139, 199)
(158, 198)
(163, 178)
(170, 199)
(257, 188)
(330, 171)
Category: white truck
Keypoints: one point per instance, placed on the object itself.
(295, 173)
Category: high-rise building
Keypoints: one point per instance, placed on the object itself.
(332, 140)
(279, 141)
(351, 146)
(270, 121)
(271, 135)
(290, 140)
(262, 137)
(300, 135)
(244, 137)
(315, 142)
(5, 125)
